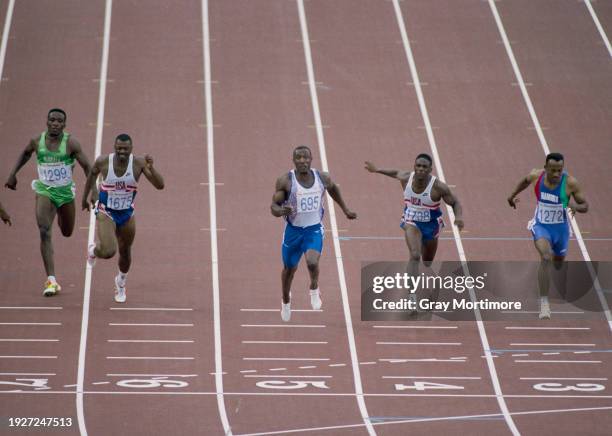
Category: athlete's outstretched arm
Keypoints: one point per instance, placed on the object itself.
(91, 183)
(450, 199)
(280, 196)
(25, 156)
(393, 173)
(580, 203)
(522, 185)
(334, 193)
(4, 216)
(151, 173)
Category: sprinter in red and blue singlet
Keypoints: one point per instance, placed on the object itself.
(558, 196)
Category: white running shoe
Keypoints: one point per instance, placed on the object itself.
(91, 257)
(51, 288)
(285, 311)
(544, 310)
(315, 299)
(120, 293)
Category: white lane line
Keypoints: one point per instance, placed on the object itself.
(520, 355)
(31, 323)
(287, 376)
(558, 312)
(212, 200)
(413, 327)
(126, 324)
(307, 359)
(27, 373)
(28, 357)
(425, 377)
(308, 394)
(418, 343)
(534, 118)
(550, 354)
(248, 371)
(278, 369)
(276, 310)
(551, 345)
(307, 367)
(286, 342)
(100, 383)
(32, 307)
(314, 99)
(29, 340)
(149, 358)
(426, 359)
(558, 361)
(5, 34)
(314, 326)
(600, 28)
(155, 341)
(367, 363)
(92, 222)
(151, 308)
(333, 365)
(150, 375)
(565, 378)
(547, 328)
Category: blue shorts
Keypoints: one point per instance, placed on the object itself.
(558, 235)
(120, 217)
(298, 240)
(430, 230)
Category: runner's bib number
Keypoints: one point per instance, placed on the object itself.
(418, 215)
(309, 202)
(55, 174)
(551, 213)
(119, 200)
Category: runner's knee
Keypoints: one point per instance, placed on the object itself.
(45, 232)
(415, 256)
(105, 252)
(312, 264)
(546, 257)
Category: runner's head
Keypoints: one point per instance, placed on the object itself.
(554, 167)
(56, 121)
(302, 158)
(422, 166)
(123, 147)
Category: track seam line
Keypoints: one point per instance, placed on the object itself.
(332, 219)
(213, 218)
(544, 144)
(432, 143)
(92, 223)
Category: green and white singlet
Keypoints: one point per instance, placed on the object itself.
(54, 172)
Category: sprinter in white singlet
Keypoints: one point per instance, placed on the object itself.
(299, 196)
(422, 217)
(115, 221)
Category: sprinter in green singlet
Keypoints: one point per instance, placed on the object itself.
(56, 152)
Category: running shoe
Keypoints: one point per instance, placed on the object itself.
(51, 289)
(120, 293)
(285, 311)
(544, 310)
(315, 299)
